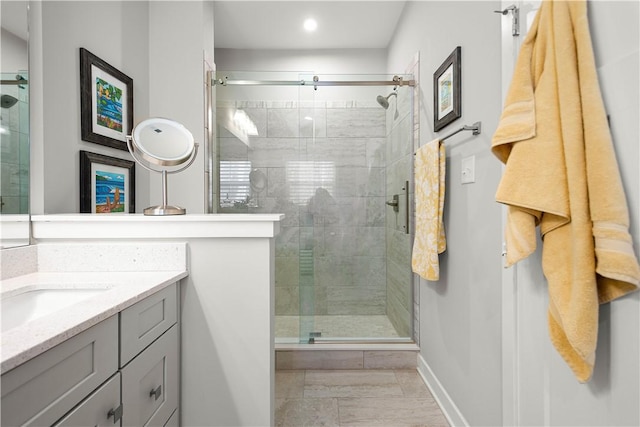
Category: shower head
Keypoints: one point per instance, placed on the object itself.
(7, 101)
(384, 100)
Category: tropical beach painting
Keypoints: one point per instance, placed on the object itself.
(106, 102)
(108, 105)
(110, 192)
(107, 184)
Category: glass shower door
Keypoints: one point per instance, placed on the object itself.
(329, 158)
(358, 154)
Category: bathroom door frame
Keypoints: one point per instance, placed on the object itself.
(524, 298)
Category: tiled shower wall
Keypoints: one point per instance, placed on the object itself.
(14, 143)
(332, 242)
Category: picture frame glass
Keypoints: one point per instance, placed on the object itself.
(445, 92)
(109, 186)
(109, 115)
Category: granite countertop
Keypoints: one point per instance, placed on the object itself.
(121, 290)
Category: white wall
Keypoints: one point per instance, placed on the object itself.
(329, 64)
(460, 320)
(116, 32)
(322, 61)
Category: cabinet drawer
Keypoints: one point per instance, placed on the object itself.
(173, 421)
(96, 409)
(150, 383)
(46, 387)
(145, 321)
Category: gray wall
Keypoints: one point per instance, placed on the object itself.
(161, 46)
(120, 41)
(180, 32)
(459, 316)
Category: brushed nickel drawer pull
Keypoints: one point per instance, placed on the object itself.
(115, 413)
(156, 392)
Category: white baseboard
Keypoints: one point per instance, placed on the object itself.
(447, 405)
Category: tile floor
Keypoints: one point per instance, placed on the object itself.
(361, 397)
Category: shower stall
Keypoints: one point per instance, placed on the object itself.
(14, 139)
(333, 153)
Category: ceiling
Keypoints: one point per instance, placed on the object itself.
(278, 24)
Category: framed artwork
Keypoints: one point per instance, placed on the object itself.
(106, 102)
(447, 93)
(107, 184)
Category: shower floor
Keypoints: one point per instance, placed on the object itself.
(338, 326)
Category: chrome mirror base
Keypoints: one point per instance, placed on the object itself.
(165, 210)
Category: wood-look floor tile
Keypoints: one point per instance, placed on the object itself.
(289, 384)
(390, 412)
(352, 383)
(412, 384)
(306, 412)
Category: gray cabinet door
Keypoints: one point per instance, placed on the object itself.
(150, 383)
(98, 410)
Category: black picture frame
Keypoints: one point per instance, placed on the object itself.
(447, 91)
(100, 185)
(105, 118)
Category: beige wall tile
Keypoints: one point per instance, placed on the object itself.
(390, 359)
(318, 360)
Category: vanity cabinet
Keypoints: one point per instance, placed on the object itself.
(40, 391)
(122, 371)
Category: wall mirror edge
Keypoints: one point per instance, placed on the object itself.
(14, 194)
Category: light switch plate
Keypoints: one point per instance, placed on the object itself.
(468, 172)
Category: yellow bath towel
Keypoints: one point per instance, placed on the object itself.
(561, 173)
(429, 167)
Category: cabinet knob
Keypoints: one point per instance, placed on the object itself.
(157, 392)
(115, 413)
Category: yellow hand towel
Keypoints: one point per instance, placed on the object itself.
(430, 161)
(561, 173)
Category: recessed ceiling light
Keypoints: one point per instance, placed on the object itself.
(310, 25)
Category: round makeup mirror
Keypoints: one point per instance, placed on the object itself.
(162, 145)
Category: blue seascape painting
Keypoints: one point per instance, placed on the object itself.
(110, 192)
(109, 105)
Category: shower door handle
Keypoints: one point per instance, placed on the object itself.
(395, 203)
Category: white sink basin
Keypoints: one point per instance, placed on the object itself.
(30, 304)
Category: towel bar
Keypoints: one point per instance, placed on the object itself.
(476, 129)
